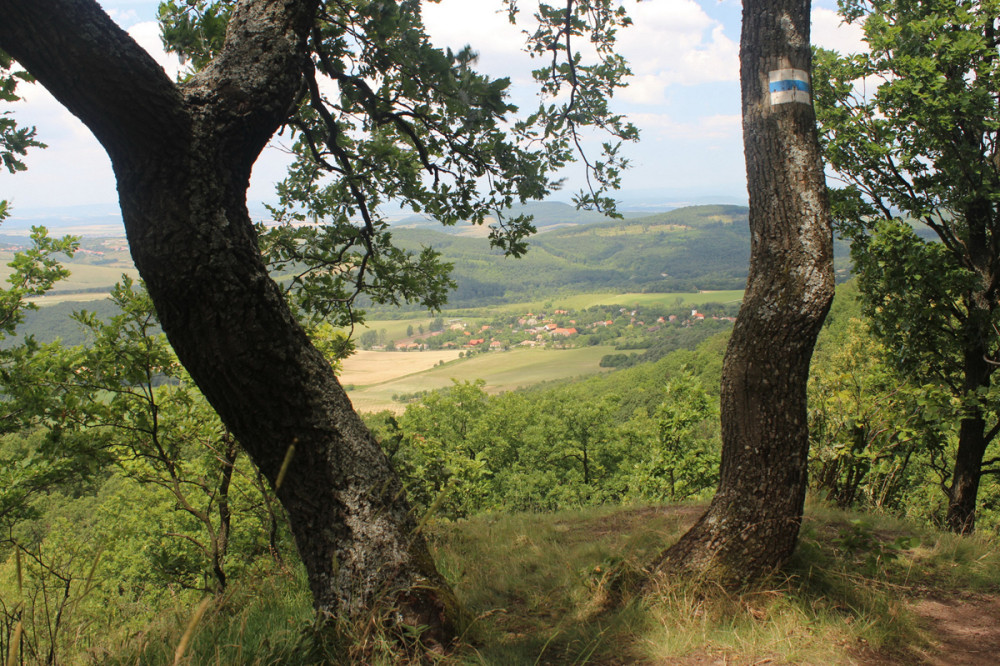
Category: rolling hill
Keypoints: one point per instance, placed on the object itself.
(689, 249)
(697, 248)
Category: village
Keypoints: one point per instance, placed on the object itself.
(559, 329)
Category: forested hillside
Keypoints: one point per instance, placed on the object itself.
(628, 440)
(689, 249)
(698, 248)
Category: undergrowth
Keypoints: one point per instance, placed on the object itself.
(560, 588)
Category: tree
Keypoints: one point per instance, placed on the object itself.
(922, 143)
(34, 272)
(874, 434)
(436, 454)
(14, 141)
(753, 521)
(680, 456)
(409, 122)
(129, 397)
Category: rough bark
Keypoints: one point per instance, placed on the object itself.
(753, 521)
(978, 331)
(973, 438)
(182, 155)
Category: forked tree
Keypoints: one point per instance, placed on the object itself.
(407, 122)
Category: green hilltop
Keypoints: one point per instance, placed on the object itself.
(688, 249)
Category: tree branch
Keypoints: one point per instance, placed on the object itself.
(121, 94)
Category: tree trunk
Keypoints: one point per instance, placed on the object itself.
(965, 480)
(972, 438)
(753, 521)
(182, 155)
(221, 546)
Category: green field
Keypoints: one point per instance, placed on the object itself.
(85, 283)
(587, 300)
(502, 371)
(396, 328)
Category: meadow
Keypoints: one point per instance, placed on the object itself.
(373, 378)
(561, 588)
(584, 300)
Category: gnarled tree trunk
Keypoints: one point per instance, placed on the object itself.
(182, 154)
(753, 521)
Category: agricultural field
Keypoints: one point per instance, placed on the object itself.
(94, 270)
(396, 328)
(590, 299)
(371, 368)
(407, 373)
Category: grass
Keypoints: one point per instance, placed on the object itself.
(502, 371)
(562, 588)
(267, 622)
(396, 328)
(369, 368)
(586, 300)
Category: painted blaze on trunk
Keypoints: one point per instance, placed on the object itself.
(752, 524)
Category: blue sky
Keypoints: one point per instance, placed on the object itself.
(684, 97)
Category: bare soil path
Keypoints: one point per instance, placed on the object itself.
(965, 629)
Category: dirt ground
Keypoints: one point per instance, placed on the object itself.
(965, 629)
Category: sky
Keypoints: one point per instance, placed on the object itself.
(684, 97)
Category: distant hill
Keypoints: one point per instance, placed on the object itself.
(546, 215)
(689, 249)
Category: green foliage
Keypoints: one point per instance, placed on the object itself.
(26, 472)
(876, 437)
(919, 144)
(913, 142)
(385, 116)
(684, 459)
(35, 271)
(918, 140)
(136, 496)
(436, 453)
(14, 141)
(195, 31)
(913, 293)
(590, 87)
(623, 437)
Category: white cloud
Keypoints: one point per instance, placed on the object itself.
(671, 42)
(830, 32)
(75, 168)
(477, 23)
(123, 17)
(674, 42)
(147, 35)
(704, 128)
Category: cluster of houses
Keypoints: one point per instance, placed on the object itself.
(537, 330)
(529, 331)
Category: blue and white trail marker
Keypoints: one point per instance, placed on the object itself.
(789, 85)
